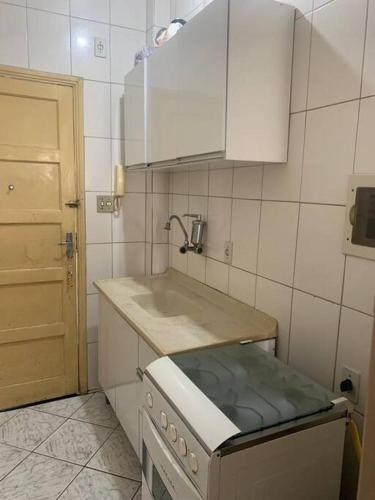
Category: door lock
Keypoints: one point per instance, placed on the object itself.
(69, 243)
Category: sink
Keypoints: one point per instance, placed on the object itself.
(165, 304)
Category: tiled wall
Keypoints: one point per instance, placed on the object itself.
(58, 36)
(286, 221)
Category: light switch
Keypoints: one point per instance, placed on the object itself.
(104, 204)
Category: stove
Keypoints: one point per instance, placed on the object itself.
(229, 418)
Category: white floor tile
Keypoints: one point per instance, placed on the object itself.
(93, 485)
(38, 478)
(75, 442)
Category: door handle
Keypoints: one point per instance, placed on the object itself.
(69, 243)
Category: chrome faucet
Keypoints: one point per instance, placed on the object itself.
(195, 244)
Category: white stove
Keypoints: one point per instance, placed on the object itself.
(233, 422)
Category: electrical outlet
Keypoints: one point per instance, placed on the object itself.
(100, 45)
(228, 252)
(355, 378)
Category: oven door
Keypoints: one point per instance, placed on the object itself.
(163, 478)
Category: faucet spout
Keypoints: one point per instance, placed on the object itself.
(177, 218)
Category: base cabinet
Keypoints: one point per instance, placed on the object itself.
(123, 356)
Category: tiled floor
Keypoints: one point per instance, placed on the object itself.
(71, 449)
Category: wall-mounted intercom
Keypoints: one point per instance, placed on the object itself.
(359, 237)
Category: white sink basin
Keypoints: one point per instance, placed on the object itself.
(166, 303)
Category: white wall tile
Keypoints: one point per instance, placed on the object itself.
(84, 62)
(94, 10)
(277, 241)
(220, 182)
(57, 6)
(276, 300)
(329, 153)
(97, 109)
(180, 182)
(98, 225)
(217, 275)
(242, 286)
(218, 226)
(92, 361)
(160, 216)
(177, 260)
(160, 258)
(282, 182)
(313, 337)
(162, 12)
(135, 182)
(359, 284)
(13, 36)
(301, 61)
(320, 261)
(97, 164)
(245, 233)
(99, 264)
(117, 115)
(128, 259)
(180, 204)
(124, 44)
(160, 182)
(49, 41)
(365, 150)
(129, 13)
(354, 350)
(15, 2)
(368, 84)
(337, 52)
(92, 318)
(302, 6)
(247, 182)
(130, 224)
(196, 266)
(198, 182)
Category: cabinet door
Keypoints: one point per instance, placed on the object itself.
(128, 385)
(106, 382)
(134, 116)
(202, 50)
(162, 69)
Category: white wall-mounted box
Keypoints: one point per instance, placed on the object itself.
(219, 89)
(359, 237)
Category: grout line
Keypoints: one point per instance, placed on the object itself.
(15, 467)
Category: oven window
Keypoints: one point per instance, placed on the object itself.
(159, 491)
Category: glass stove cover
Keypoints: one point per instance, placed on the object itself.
(251, 387)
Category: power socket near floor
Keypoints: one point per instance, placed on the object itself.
(355, 378)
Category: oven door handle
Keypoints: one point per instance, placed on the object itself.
(178, 482)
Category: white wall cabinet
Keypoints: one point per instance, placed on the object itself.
(135, 123)
(123, 356)
(221, 87)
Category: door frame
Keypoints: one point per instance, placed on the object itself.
(76, 84)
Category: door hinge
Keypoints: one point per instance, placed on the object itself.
(73, 204)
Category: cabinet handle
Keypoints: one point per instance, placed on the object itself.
(139, 373)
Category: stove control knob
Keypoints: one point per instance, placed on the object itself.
(173, 433)
(193, 462)
(163, 420)
(182, 447)
(150, 402)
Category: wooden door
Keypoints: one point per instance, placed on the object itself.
(38, 304)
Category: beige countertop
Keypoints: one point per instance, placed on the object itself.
(175, 313)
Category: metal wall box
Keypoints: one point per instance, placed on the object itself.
(359, 239)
